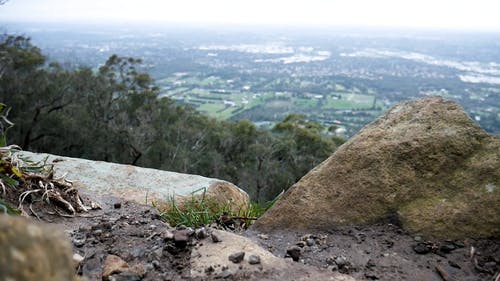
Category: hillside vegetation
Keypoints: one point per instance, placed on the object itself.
(115, 114)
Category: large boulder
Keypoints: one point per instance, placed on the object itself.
(142, 185)
(424, 163)
(33, 251)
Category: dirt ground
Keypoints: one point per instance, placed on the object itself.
(136, 234)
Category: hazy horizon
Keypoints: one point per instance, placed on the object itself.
(479, 15)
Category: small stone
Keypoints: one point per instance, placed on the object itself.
(156, 264)
(459, 244)
(237, 257)
(417, 238)
(117, 205)
(421, 249)
(294, 252)
(181, 238)
(447, 248)
(77, 259)
(226, 274)
(167, 235)
(341, 261)
(263, 236)
(79, 241)
(254, 259)
(158, 253)
(310, 242)
(454, 264)
(215, 238)
(201, 233)
(113, 264)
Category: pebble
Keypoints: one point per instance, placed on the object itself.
(215, 238)
(294, 252)
(77, 259)
(201, 233)
(253, 259)
(181, 238)
(237, 257)
(447, 248)
(341, 261)
(263, 236)
(226, 274)
(113, 264)
(310, 242)
(421, 249)
(417, 238)
(454, 264)
(79, 241)
(167, 235)
(117, 205)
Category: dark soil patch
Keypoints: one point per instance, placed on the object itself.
(385, 252)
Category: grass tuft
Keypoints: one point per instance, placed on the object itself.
(201, 210)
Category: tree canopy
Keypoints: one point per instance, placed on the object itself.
(115, 114)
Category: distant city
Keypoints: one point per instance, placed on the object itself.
(343, 79)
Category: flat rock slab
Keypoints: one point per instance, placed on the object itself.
(210, 261)
(142, 185)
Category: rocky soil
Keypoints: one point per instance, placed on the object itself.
(128, 241)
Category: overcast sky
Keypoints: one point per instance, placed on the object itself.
(440, 14)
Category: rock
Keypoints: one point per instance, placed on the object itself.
(112, 265)
(310, 242)
(237, 257)
(341, 261)
(424, 164)
(263, 236)
(181, 238)
(201, 233)
(253, 259)
(294, 252)
(167, 235)
(143, 185)
(117, 205)
(421, 249)
(226, 274)
(447, 248)
(215, 237)
(33, 251)
(77, 260)
(454, 264)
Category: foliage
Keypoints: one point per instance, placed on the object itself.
(200, 210)
(116, 114)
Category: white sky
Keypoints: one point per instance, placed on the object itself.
(442, 14)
